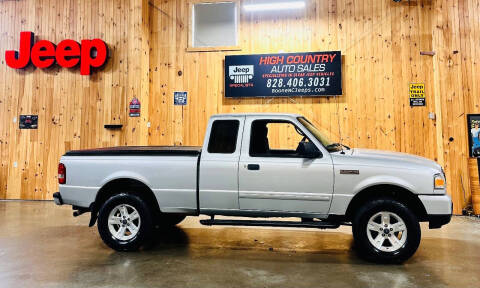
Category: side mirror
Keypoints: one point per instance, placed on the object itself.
(308, 150)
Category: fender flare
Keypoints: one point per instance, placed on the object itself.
(117, 176)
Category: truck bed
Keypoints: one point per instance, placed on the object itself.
(139, 150)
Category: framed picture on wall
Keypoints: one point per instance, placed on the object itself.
(28, 122)
(473, 122)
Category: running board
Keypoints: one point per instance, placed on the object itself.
(312, 224)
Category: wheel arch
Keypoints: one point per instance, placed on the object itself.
(396, 192)
(129, 185)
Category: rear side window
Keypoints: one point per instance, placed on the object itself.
(223, 137)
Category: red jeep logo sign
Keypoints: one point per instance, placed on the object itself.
(68, 53)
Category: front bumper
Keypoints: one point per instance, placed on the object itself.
(57, 198)
(439, 209)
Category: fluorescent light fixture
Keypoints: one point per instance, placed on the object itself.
(275, 6)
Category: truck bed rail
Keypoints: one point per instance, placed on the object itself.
(139, 151)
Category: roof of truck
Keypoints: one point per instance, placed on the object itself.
(257, 114)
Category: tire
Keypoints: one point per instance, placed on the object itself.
(131, 238)
(379, 247)
(169, 220)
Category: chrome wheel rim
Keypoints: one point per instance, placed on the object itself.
(386, 231)
(124, 222)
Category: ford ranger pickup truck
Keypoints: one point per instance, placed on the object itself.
(258, 166)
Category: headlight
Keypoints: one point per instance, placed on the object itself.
(438, 181)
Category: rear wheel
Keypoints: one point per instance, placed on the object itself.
(386, 231)
(125, 222)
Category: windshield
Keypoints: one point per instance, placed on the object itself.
(329, 145)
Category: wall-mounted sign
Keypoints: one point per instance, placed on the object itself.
(417, 94)
(179, 98)
(284, 75)
(134, 108)
(68, 53)
(28, 122)
(473, 122)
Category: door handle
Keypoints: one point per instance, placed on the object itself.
(253, 167)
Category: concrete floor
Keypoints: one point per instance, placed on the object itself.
(42, 245)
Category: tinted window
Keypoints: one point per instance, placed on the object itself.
(223, 137)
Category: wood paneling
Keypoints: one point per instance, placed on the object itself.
(380, 41)
(72, 108)
(456, 30)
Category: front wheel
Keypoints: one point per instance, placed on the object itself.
(125, 222)
(386, 231)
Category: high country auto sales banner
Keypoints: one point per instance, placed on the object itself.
(284, 75)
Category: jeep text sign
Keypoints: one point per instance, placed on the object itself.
(284, 75)
(68, 53)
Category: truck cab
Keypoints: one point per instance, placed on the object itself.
(249, 167)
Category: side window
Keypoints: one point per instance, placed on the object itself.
(275, 139)
(223, 136)
(283, 136)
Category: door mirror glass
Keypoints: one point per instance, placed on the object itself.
(308, 150)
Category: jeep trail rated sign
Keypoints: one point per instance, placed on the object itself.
(417, 94)
(284, 75)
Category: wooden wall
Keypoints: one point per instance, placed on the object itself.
(380, 40)
(72, 108)
(456, 39)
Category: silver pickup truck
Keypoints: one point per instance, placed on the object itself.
(259, 166)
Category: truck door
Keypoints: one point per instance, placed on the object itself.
(274, 177)
(218, 181)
